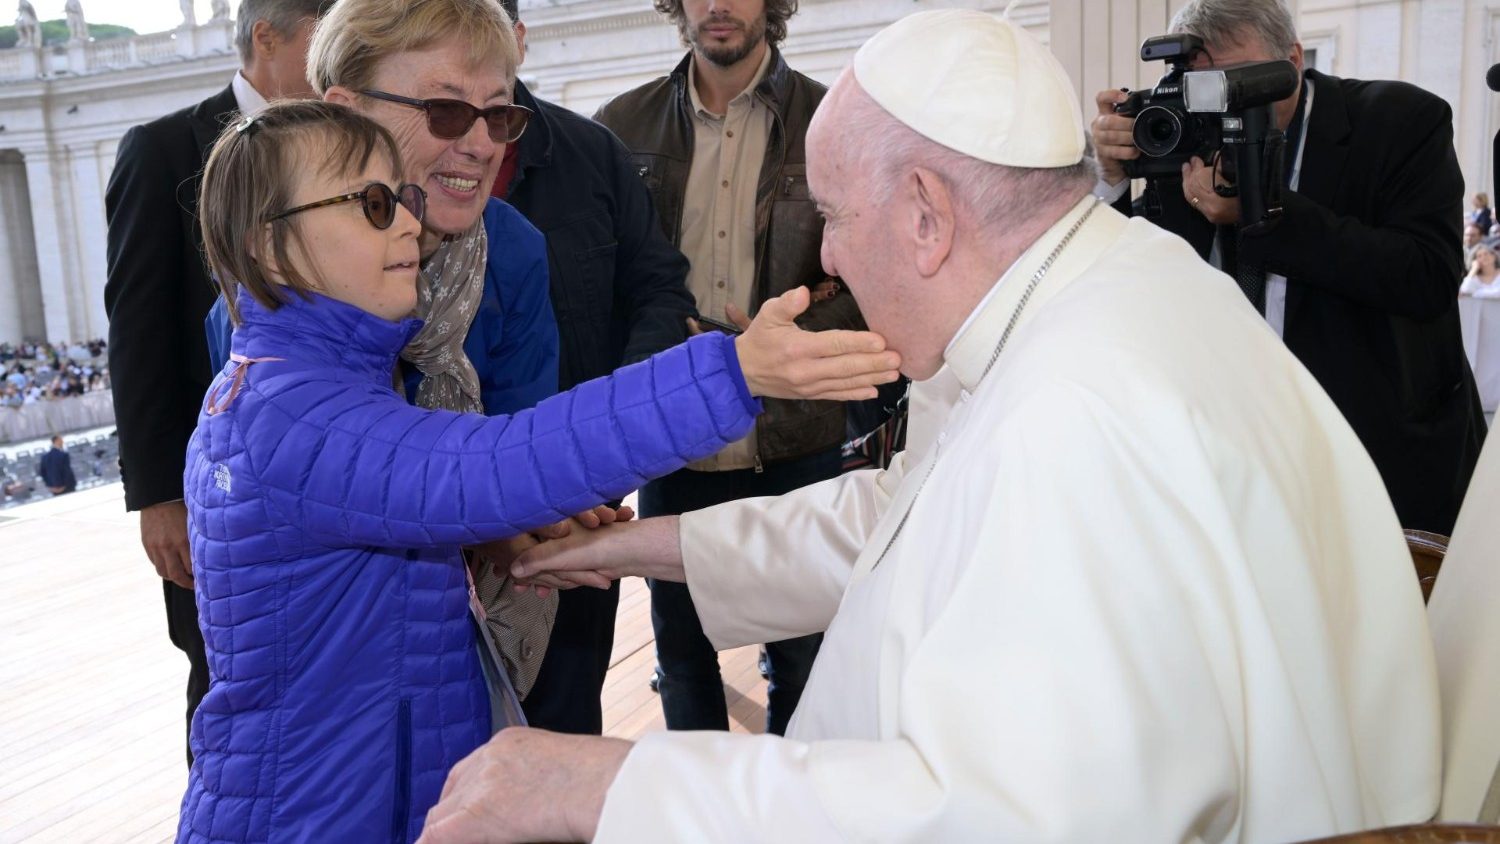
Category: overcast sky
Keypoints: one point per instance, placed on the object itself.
(140, 15)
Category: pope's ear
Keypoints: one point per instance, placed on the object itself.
(931, 219)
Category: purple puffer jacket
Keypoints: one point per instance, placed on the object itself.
(326, 515)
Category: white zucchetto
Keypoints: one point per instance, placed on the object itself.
(975, 83)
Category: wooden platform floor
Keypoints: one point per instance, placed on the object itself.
(91, 690)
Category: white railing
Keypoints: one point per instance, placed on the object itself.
(14, 64)
(212, 39)
(156, 47)
(107, 55)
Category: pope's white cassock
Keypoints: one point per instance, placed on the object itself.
(1149, 587)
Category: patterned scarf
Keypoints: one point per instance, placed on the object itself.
(448, 297)
(447, 300)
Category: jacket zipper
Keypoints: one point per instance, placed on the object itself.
(401, 810)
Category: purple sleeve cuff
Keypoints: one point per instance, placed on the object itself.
(732, 362)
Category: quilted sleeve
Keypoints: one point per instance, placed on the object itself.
(352, 465)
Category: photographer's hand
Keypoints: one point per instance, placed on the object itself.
(1113, 139)
(1198, 189)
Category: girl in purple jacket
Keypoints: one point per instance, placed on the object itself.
(326, 514)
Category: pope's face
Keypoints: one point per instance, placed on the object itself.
(861, 244)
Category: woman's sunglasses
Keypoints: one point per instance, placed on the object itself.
(451, 119)
(379, 202)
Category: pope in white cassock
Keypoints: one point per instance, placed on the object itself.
(1134, 579)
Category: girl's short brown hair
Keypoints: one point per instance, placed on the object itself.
(251, 176)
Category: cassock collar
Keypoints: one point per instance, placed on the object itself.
(969, 353)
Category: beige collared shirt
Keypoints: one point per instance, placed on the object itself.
(718, 218)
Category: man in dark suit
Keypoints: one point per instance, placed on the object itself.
(1361, 274)
(158, 292)
(56, 469)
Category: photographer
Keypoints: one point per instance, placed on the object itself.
(1361, 271)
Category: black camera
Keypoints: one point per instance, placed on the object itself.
(1219, 113)
(1166, 133)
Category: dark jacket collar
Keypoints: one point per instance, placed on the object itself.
(321, 331)
(1330, 118)
(1328, 130)
(209, 117)
(536, 143)
(775, 88)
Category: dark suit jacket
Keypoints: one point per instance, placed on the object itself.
(56, 470)
(1370, 245)
(158, 293)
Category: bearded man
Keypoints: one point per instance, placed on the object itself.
(720, 143)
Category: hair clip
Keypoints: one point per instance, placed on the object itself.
(245, 125)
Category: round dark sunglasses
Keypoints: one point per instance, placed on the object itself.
(451, 119)
(379, 202)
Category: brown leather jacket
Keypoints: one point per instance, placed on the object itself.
(655, 122)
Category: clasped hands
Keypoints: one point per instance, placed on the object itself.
(501, 553)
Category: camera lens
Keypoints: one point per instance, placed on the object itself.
(1158, 130)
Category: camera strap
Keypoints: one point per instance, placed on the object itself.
(1251, 278)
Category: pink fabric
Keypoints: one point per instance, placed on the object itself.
(215, 407)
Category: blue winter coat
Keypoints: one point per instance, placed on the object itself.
(326, 514)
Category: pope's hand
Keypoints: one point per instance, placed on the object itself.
(648, 548)
(526, 785)
(782, 361)
(503, 553)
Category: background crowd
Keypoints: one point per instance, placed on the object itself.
(687, 204)
(35, 372)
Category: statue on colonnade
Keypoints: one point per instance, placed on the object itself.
(78, 28)
(189, 14)
(28, 31)
(220, 9)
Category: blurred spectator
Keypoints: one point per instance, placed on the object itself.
(14, 487)
(1484, 273)
(1473, 235)
(1482, 216)
(31, 372)
(56, 469)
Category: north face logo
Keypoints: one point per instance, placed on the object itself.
(221, 476)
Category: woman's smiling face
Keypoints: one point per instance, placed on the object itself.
(458, 173)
